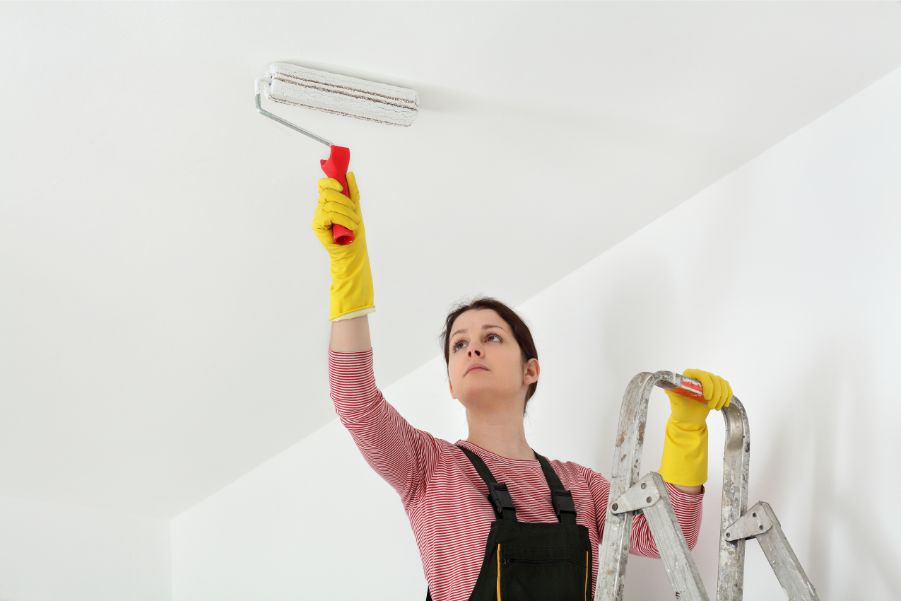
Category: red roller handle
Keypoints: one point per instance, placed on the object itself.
(690, 388)
(336, 167)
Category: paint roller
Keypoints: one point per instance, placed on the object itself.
(296, 85)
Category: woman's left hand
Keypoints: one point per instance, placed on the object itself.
(686, 410)
(684, 461)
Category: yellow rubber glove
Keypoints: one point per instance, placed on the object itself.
(684, 459)
(351, 293)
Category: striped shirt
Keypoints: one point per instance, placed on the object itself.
(445, 498)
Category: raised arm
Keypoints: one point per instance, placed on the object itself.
(402, 455)
(350, 335)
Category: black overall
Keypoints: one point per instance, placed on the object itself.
(526, 561)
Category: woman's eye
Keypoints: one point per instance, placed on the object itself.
(486, 337)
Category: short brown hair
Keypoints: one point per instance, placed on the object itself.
(520, 331)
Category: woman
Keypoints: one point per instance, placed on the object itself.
(492, 518)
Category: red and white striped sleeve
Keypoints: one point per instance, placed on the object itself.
(401, 454)
(641, 542)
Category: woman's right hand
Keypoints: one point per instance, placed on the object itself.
(351, 291)
(335, 207)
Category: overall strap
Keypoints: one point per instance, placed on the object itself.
(561, 499)
(497, 491)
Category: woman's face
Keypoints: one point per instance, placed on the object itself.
(481, 337)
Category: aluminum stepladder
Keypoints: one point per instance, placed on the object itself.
(630, 495)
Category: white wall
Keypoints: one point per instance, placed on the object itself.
(782, 277)
(56, 552)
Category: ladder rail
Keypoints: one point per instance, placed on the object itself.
(736, 467)
(760, 522)
(614, 551)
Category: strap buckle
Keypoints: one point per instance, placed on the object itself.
(500, 497)
(562, 500)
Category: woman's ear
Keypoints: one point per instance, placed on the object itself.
(533, 369)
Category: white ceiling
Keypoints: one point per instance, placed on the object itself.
(164, 304)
